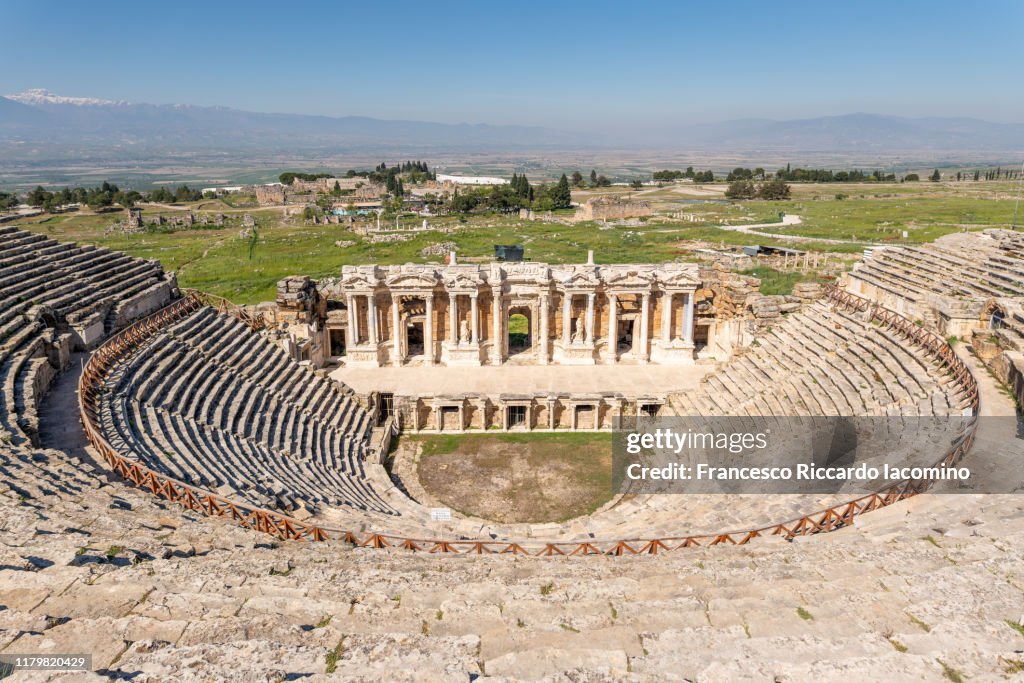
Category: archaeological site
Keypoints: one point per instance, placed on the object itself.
(478, 343)
(225, 498)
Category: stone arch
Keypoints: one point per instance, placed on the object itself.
(993, 315)
(519, 330)
(413, 314)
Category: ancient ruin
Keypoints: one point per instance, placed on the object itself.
(612, 208)
(219, 429)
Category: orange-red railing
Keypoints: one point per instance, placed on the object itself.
(222, 305)
(91, 388)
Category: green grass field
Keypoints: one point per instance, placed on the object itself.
(218, 260)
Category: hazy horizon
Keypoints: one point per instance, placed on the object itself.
(591, 69)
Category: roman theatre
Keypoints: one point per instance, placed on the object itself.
(279, 416)
(186, 478)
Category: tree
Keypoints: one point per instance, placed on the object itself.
(773, 190)
(741, 189)
(98, 199)
(521, 186)
(126, 199)
(577, 179)
(593, 178)
(186, 194)
(561, 196)
(739, 173)
(37, 196)
(935, 176)
(602, 181)
(464, 203)
(911, 178)
(637, 184)
(53, 204)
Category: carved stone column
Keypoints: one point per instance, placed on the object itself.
(666, 318)
(353, 322)
(396, 332)
(453, 319)
(428, 329)
(372, 333)
(613, 329)
(566, 317)
(590, 317)
(688, 318)
(544, 343)
(497, 315)
(474, 318)
(645, 321)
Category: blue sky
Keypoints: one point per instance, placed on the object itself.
(595, 66)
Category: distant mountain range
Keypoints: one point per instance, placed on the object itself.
(40, 119)
(38, 116)
(858, 132)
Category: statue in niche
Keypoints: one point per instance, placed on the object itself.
(464, 332)
(581, 332)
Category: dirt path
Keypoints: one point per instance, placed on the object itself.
(60, 426)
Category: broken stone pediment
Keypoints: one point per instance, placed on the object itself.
(629, 278)
(415, 280)
(679, 279)
(578, 279)
(462, 282)
(357, 281)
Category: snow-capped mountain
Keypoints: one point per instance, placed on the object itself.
(38, 119)
(37, 96)
(45, 118)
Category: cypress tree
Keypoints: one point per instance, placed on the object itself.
(561, 195)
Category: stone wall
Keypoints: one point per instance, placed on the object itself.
(270, 194)
(299, 320)
(609, 208)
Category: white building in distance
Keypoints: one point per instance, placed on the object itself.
(471, 180)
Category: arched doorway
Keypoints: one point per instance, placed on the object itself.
(414, 311)
(994, 315)
(519, 326)
(996, 319)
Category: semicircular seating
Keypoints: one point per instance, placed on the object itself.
(209, 402)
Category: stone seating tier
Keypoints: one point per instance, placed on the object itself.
(47, 286)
